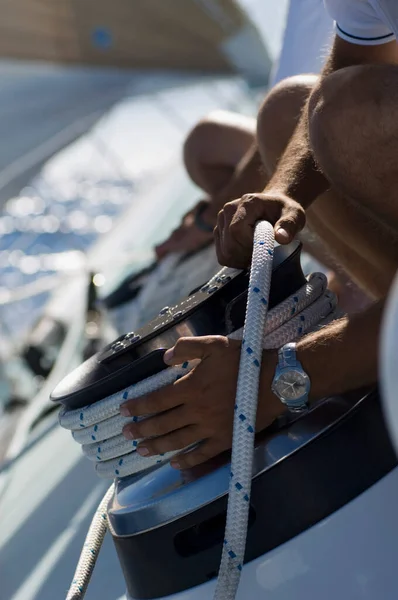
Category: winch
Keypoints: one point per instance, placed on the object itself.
(218, 308)
(168, 526)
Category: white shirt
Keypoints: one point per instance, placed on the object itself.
(306, 40)
(365, 22)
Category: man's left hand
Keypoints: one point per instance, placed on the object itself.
(199, 407)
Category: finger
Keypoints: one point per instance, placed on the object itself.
(203, 452)
(238, 241)
(217, 243)
(164, 399)
(290, 224)
(158, 425)
(218, 237)
(244, 218)
(177, 440)
(193, 348)
(229, 252)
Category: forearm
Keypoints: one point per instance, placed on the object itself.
(297, 175)
(342, 356)
(249, 176)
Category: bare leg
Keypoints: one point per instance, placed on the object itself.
(216, 145)
(214, 148)
(279, 115)
(212, 152)
(360, 214)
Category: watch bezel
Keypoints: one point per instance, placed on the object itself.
(299, 403)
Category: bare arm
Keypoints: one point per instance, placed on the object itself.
(339, 358)
(296, 182)
(344, 355)
(297, 175)
(248, 174)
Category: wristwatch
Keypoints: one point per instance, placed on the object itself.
(291, 383)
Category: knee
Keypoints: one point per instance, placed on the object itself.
(198, 138)
(279, 115)
(203, 135)
(351, 104)
(330, 109)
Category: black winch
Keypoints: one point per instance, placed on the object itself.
(168, 525)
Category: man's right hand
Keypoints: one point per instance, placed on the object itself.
(236, 221)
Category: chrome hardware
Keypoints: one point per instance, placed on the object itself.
(117, 346)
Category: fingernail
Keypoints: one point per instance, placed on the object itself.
(125, 411)
(129, 435)
(168, 355)
(143, 451)
(175, 464)
(283, 234)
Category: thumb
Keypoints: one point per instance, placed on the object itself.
(290, 224)
(193, 348)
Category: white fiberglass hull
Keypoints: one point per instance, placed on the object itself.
(351, 555)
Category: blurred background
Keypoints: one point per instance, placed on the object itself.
(95, 101)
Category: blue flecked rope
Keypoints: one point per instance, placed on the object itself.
(98, 427)
(91, 548)
(245, 414)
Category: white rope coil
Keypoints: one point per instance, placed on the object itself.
(98, 427)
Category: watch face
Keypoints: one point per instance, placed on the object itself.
(291, 385)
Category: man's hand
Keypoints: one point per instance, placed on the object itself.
(188, 236)
(199, 407)
(236, 221)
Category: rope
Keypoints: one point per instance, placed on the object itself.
(91, 548)
(245, 416)
(98, 427)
